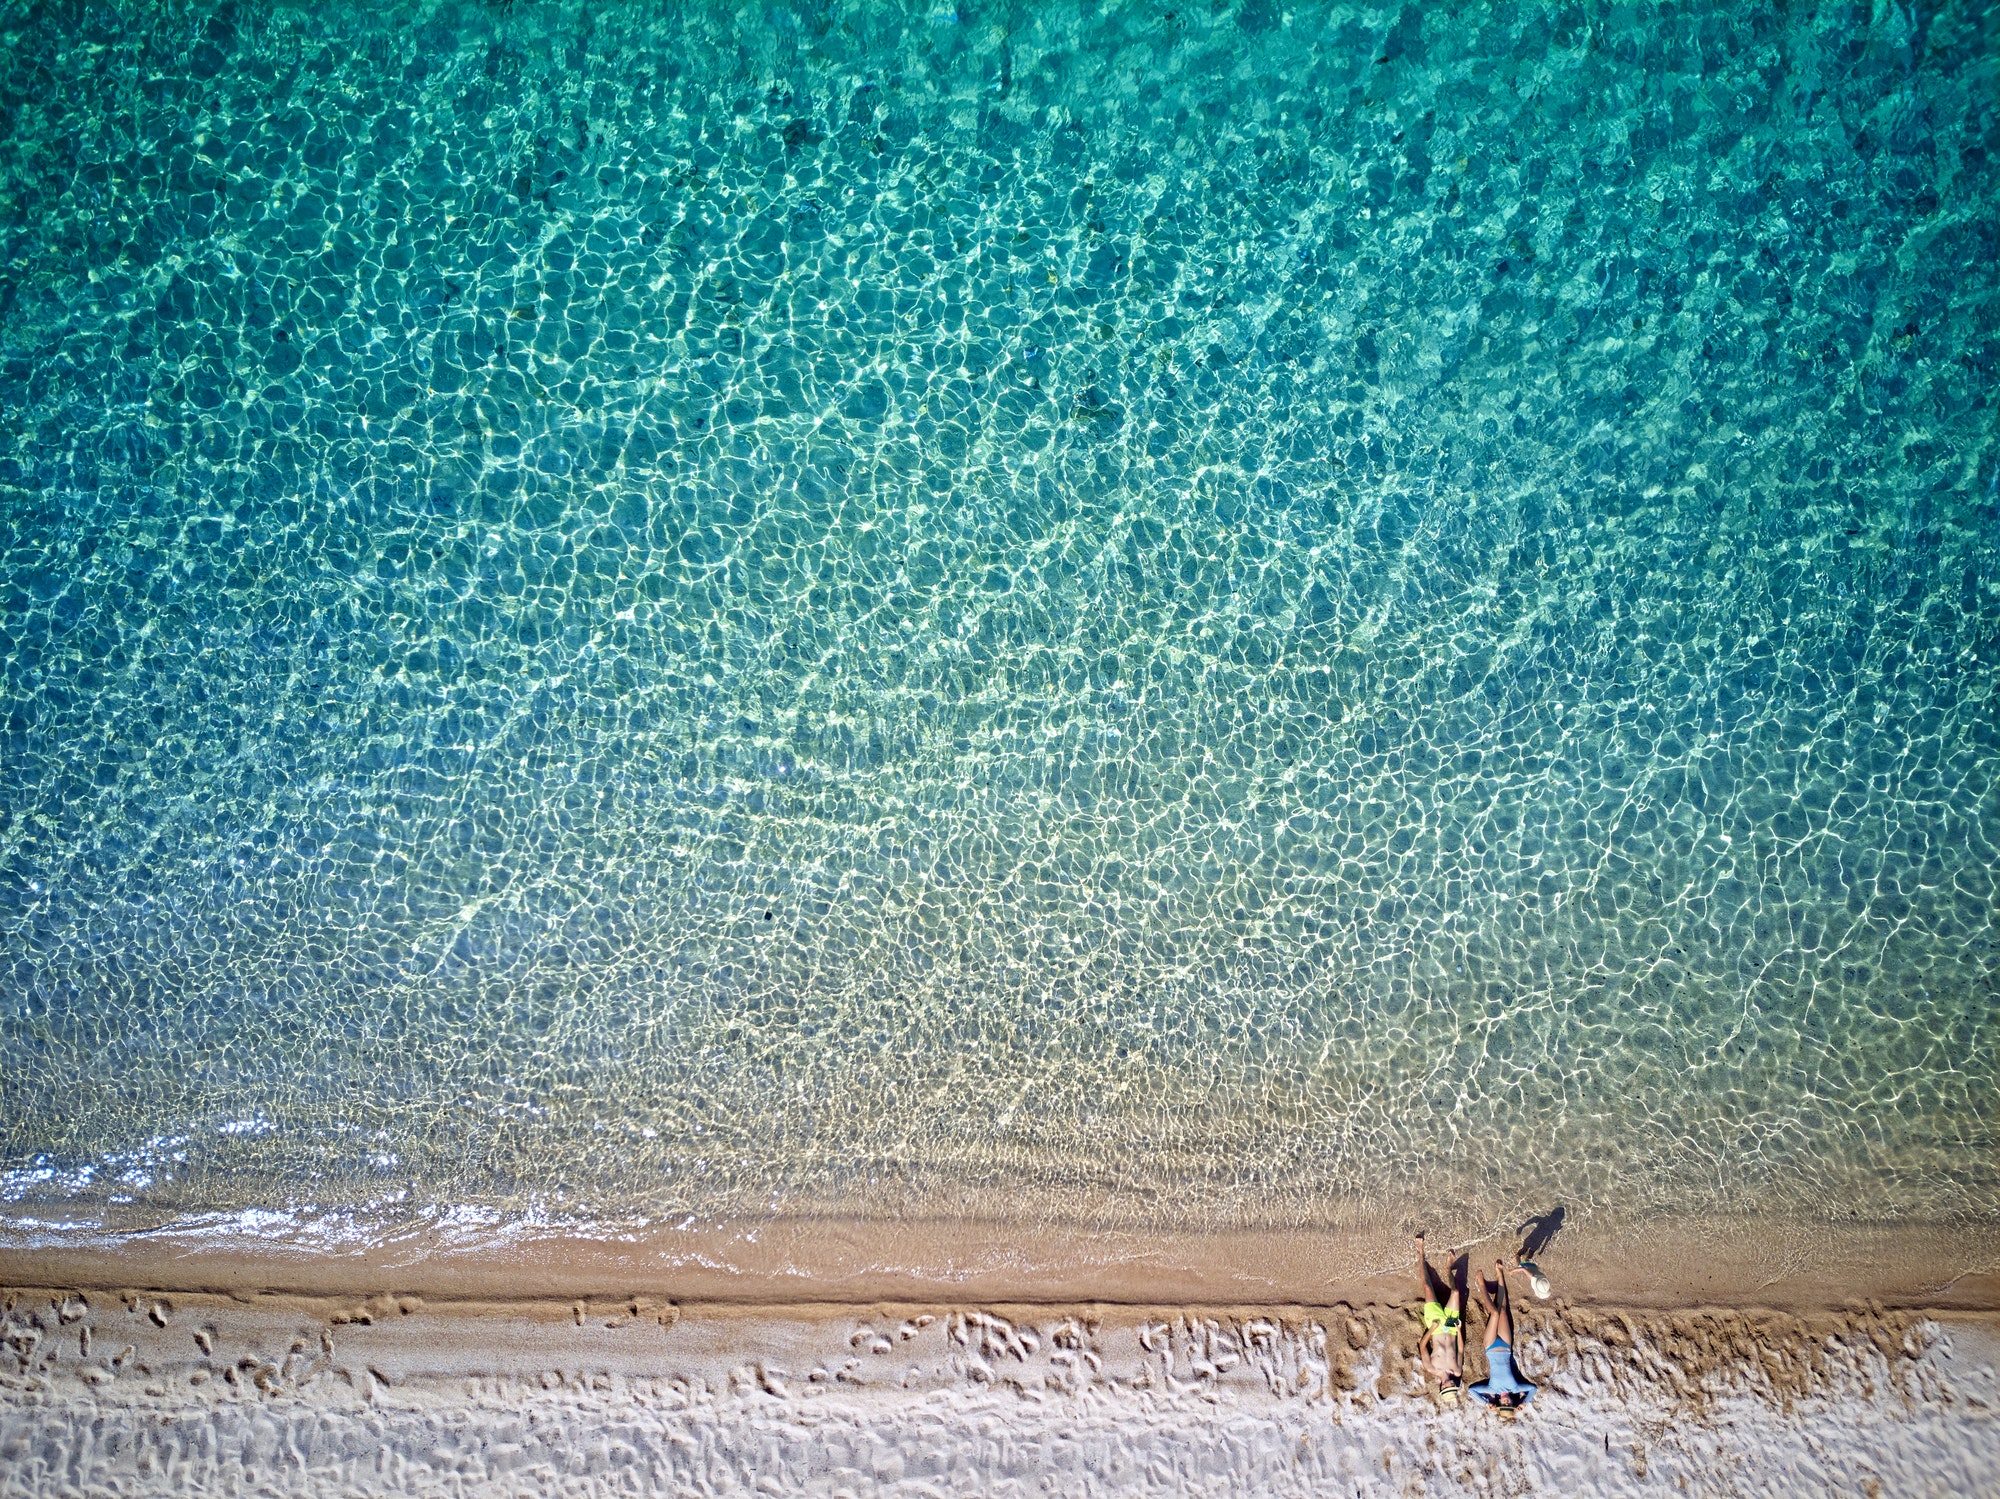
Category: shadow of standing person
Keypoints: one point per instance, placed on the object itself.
(1540, 1232)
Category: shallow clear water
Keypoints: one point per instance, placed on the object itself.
(1149, 612)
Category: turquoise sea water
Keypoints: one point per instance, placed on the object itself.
(1157, 612)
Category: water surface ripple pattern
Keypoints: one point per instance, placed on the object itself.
(1127, 610)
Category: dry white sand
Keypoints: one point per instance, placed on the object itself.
(829, 1357)
(270, 1394)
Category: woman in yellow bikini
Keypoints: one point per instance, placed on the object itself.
(1441, 1350)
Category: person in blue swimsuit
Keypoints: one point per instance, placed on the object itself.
(1502, 1388)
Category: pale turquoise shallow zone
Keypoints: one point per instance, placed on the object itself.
(1155, 612)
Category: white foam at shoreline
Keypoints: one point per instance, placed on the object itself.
(308, 1229)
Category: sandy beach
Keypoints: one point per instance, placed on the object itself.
(286, 1394)
(1659, 1262)
(909, 1359)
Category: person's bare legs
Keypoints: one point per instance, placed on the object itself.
(1433, 1285)
(1441, 1353)
(1499, 1308)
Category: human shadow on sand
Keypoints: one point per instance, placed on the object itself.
(1540, 1232)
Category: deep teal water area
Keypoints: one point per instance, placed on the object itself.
(1157, 612)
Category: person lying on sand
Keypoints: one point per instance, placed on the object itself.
(1441, 1350)
(1502, 1388)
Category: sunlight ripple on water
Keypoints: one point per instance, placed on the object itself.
(1191, 614)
